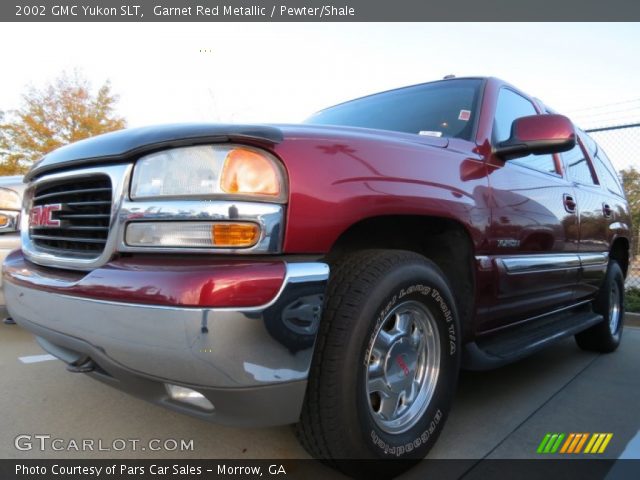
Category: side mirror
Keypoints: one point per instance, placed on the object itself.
(538, 134)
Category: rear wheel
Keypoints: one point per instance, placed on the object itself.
(605, 336)
(386, 360)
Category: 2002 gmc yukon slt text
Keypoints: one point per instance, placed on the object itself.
(335, 274)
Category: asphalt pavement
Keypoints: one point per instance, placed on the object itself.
(500, 414)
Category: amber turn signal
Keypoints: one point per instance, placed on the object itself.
(249, 171)
(235, 234)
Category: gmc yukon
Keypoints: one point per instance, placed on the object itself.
(335, 274)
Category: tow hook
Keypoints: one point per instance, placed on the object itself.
(82, 365)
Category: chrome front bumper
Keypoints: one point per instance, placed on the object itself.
(232, 349)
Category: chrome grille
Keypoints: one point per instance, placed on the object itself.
(80, 226)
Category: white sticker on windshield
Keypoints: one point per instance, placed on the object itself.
(465, 115)
(430, 133)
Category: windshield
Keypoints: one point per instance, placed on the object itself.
(440, 109)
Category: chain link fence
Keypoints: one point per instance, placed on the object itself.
(621, 143)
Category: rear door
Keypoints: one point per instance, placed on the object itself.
(613, 207)
(594, 210)
(533, 235)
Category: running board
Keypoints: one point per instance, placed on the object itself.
(494, 350)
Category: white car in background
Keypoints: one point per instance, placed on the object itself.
(11, 191)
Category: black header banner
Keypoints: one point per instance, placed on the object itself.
(532, 469)
(317, 11)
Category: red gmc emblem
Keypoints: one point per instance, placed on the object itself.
(42, 216)
(401, 363)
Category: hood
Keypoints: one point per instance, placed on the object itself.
(127, 144)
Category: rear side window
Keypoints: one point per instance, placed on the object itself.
(511, 106)
(606, 173)
(577, 165)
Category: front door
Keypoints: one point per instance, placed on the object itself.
(534, 235)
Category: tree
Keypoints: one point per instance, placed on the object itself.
(62, 112)
(631, 183)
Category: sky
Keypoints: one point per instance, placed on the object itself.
(283, 72)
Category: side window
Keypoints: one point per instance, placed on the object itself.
(577, 165)
(607, 174)
(588, 142)
(511, 106)
(605, 171)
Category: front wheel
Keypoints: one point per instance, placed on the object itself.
(386, 360)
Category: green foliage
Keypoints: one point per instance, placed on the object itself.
(631, 184)
(632, 299)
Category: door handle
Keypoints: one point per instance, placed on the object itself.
(569, 203)
(607, 210)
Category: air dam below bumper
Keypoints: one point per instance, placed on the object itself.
(251, 363)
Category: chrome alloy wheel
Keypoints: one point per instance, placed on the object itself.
(614, 308)
(403, 367)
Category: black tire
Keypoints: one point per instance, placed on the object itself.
(337, 421)
(600, 337)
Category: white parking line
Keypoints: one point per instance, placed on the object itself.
(36, 358)
(625, 469)
(632, 449)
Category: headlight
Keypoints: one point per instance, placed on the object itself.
(10, 204)
(210, 170)
(9, 200)
(9, 221)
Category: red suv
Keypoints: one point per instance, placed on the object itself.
(335, 274)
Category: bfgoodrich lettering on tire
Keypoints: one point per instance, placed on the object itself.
(386, 360)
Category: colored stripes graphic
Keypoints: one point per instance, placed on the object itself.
(553, 443)
(598, 442)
